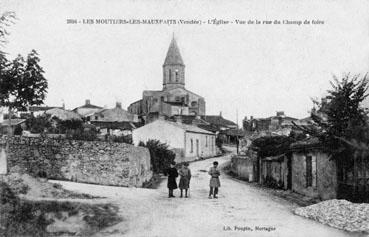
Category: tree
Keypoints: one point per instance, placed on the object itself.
(340, 117)
(22, 83)
(161, 156)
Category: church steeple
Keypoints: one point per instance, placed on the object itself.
(173, 67)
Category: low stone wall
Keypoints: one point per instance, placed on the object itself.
(243, 167)
(82, 161)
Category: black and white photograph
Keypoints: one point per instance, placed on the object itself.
(184, 118)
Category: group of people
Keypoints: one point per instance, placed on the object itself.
(185, 177)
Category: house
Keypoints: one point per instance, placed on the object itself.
(40, 110)
(219, 121)
(15, 123)
(62, 114)
(314, 174)
(116, 121)
(274, 171)
(279, 121)
(87, 109)
(189, 142)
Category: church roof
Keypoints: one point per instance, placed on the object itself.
(173, 55)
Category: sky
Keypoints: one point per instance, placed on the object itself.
(245, 70)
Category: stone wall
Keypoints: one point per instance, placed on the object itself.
(82, 161)
(243, 167)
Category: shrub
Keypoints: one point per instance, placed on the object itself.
(160, 155)
(123, 139)
(80, 134)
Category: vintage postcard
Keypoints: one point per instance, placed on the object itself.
(173, 118)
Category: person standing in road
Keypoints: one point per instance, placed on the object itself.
(214, 180)
(172, 175)
(184, 181)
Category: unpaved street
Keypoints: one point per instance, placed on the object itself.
(239, 211)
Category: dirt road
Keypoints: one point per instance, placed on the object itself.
(241, 210)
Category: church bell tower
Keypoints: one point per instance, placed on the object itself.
(173, 68)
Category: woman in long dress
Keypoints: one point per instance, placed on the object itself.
(172, 175)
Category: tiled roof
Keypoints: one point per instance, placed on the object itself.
(63, 114)
(115, 115)
(88, 106)
(307, 143)
(235, 132)
(218, 120)
(115, 125)
(186, 127)
(14, 122)
(42, 108)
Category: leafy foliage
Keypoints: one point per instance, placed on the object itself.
(22, 83)
(161, 156)
(340, 118)
(38, 124)
(123, 139)
(72, 124)
(272, 145)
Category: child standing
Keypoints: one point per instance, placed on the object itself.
(184, 182)
(214, 180)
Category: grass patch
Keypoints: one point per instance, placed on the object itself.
(20, 217)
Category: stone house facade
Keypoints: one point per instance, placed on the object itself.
(189, 142)
(314, 174)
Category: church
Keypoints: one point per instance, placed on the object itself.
(174, 99)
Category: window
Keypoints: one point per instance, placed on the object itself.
(309, 171)
(96, 118)
(178, 99)
(193, 104)
(177, 75)
(191, 146)
(162, 98)
(170, 75)
(206, 141)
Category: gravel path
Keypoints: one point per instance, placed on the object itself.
(241, 210)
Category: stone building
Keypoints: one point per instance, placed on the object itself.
(87, 109)
(314, 174)
(187, 141)
(279, 121)
(174, 98)
(115, 121)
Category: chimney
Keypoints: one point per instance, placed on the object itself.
(118, 105)
(220, 113)
(251, 118)
(88, 102)
(280, 113)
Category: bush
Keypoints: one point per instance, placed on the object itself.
(38, 124)
(80, 134)
(123, 139)
(161, 156)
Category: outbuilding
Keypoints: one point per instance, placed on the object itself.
(187, 141)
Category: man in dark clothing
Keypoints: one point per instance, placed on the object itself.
(172, 175)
